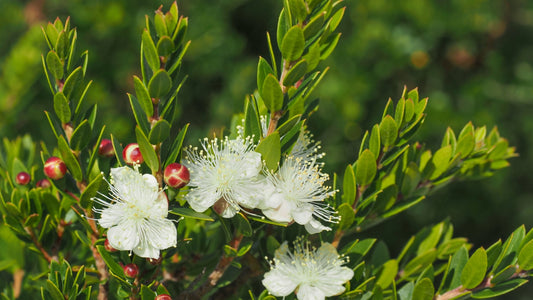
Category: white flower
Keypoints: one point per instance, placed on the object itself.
(310, 273)
(224, 174)
(135, 213)
(305, 147)
(298, 194)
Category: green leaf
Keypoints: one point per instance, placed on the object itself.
(441, 160)
(243, 225)
(72, 83)
(160, 25)
(474, 271)
(118, 150)
(295, 73)
(160, 84)
(139, 114)
(419, 263)
(347, 216)
(388, 273)
(525, 257)
(409, 110)
(252, 123)
(263, 70)
(292, 46)
(55, 65)
(53, 290)
(388, 130)
(314, 26)
(284, 24)
(374, 144)
(147, 150)
(465, 145)
(81, 136)
(146, 292)
(312, 57)
(150, 51)
(424, 290)
(327, 47)
(143, 96)
(189, 213)
(348, 185)
(160, 132)
(70, 160)
(298, 9)
(165, 46)
(500, 289)
(176, 146)
(62, 44)
(113, 266)
(92, 189)
(270, 150)
(62, 108)
(272, 94)
(366, 168)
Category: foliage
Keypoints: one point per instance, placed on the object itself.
(218, 256)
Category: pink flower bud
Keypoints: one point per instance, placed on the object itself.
(23, 178)
(163, 297)
(132, 154)
(108, 246)
(55, 168)
(176, 175)
(43, 183)
(105, 148)
(131, 270)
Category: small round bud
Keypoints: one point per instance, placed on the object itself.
(132, 154)
(131, 270)
(176, 175)
(55, 168)
(105, 148)
(108, 246)
(163, 297)
(23, 178)
(43, 183)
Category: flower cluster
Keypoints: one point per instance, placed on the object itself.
(229, 175)
(135, 213)
(308, 272)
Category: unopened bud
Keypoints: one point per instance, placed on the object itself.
(23, 178)
(55, 168)
(43, 183)
(105, 148)
(176, 175)
(163, 297)
(132, 154)
(131, 270)
(108, 246)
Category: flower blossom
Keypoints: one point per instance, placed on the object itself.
(135, 213)
(224, 174)
(310, 273)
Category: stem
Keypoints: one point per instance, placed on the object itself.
(39, 246)
(98, 260)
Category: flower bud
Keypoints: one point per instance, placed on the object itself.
(105, 148)
(22, 178)
(131, 270)
(108, 246)
(55, 168)
(132, 154)
(43, 183)
(176, 175)
(163, 297)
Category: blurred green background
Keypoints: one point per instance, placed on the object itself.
(473, 59)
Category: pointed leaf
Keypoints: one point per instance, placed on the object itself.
(295, 73)
(147, 150)
(150, 51)
(474, 271)
(160, 84)
(293, 44)
(62, 108)
(270, 150)
(81, 136)
(54, 65)
(366, 168)
(160, 132)
(272, 94)
(143, 96)
(70, 160)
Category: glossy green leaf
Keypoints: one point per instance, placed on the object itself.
(263, 70)
(388, 273)
(243, 225)
(176, 146)
(160, 84)
(525, 257)
(424, 290)
(284, 24)
(327, 47)
(420, 262)
(70, 160)
(292, 46)
(189, 213)
(160, 132)
(388, 130)
(150, 51)
(298, 9)
(295, 73)
(91, 191)
(441, 161)
(62, 107)
(53, 290)
(62, 44)
(118, 150)
(500, 289)
(312, 57)
(147, 150)
(143, 96)
(313, 26)
(139, 114)
(252, 123)
(465, 145)
(111, 263)
(147, 293)
(272, 94)
(81, 136)
(348, 186)
(366, 168)
(160, 24)
(270, 150)
(474, 271)
(374, 143)
(72, 83)
(55, 65)
(346, 214)
(165, 46)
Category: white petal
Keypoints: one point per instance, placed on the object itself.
(147, 251)
(150, 182)
(303, 213)
(200, 199)
(123, 236)
(278, 284)
(111, 215)
(283, 213)
(252, 164)
(229, 212)
(307, 292)
(315, 227)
